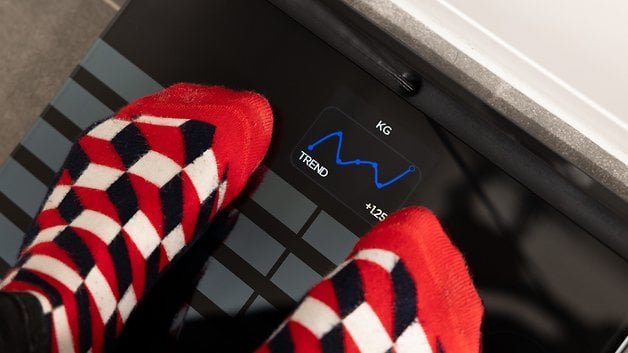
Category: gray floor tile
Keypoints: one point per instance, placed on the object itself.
(331, 238)
(80, 106)
(283, 201)
(295, 277)
(224, 288)
(10, 240)
(260, 305)
(22, 187)
(254, 245)
(48, 144)
(118, 73)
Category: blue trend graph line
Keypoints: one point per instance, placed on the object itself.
(379, 184)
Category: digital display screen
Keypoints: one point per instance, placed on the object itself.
(337, 148)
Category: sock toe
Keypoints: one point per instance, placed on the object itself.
(404, 288)
(244, 122)
(447, 297)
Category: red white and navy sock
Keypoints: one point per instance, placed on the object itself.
(133, 192)
(403, 288)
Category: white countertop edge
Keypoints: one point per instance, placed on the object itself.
(487, 49)
(552, 115)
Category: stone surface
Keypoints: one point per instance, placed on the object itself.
(40, 44)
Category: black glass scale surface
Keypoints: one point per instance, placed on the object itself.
(547, 284)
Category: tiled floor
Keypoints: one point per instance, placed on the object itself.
(40, 44)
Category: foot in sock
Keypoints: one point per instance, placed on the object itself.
(403, 288)
(135, 190)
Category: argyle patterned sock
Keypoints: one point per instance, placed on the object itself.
(403, 288)
(133, 192)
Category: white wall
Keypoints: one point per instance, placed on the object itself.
(569, 56)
